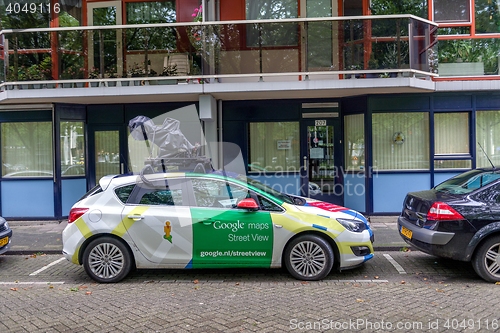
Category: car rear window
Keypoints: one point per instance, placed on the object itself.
(468, 181)
(96, 189)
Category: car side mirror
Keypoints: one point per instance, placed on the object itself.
(248, 203)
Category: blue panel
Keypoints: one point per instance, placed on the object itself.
(28, 198)
(355, 192)
(72, 190)
(286, 183)
(441, 177)
(389, 190)
(453, 102)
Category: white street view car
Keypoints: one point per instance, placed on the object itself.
(188, 220)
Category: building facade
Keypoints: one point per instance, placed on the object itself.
(353, 102)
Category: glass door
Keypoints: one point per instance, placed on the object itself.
(105, 46)
(107, 152)
(322, 176)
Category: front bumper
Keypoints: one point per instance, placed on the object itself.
(437, 243)
(3, 235)
(355, 248)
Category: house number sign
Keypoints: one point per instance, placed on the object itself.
(320, 122)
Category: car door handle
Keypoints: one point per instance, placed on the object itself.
(135, 217)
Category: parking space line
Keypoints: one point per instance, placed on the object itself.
(394, 263)
(47, 266)
(31, 283)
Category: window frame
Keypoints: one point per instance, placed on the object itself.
(466, 156)
(454, 23)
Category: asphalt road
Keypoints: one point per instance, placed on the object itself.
(394, 292)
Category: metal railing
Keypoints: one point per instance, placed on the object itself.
(230, 51)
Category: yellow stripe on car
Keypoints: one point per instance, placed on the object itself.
(128, 220)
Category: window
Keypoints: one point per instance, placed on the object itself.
(451, 143)
(162, 196)
(274, 147)
(487, 17)
(452, 133)
(272, 34)
(354, 141)
(451, 11)
(401, 140)
(27, 149)
(267, 205)
(217, 193)
(123, 193)
(488, 136)
(151, 12)
(72, 148)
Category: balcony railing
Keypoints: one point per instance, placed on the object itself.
(232, 51)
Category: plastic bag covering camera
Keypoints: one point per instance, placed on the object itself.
(173, 148)
(168, 136)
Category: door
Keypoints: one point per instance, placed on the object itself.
(105, 46)
(321, 148)
(157, 218)
(107, 152)
(226, 236)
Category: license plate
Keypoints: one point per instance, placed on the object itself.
(406, 232)
(4, 241)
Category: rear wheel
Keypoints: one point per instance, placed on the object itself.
(486, 260)
(309, 258)
(107, 260)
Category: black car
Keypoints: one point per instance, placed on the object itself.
(5, 235)
(458, 219)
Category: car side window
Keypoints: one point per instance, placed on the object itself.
(268, 205)
(217, 193)
(490, 195)
(162, 197)
(160, 192)
(123, 193)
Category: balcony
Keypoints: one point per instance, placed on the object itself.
(225, 57)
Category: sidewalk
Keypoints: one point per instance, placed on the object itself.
(30, 237)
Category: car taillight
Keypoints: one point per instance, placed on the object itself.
(75, 213)
(443, 212)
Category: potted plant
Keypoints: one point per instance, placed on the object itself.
(372, 64)
(169, 70)
(110, 73)
(136, 71)
(94, 73)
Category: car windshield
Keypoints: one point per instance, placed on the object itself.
(268, 190)
(468, 181)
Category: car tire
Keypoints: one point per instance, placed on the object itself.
(309, 258)
(107, 260)
(486, 260)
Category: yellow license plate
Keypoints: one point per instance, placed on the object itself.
(406, 232)
(4, 241)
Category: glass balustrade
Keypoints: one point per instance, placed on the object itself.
(172, 53)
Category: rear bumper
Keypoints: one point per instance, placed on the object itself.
(438, 243)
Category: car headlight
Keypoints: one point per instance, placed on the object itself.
(353, 225)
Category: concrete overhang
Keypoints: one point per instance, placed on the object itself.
(485, 84)
(332, 88)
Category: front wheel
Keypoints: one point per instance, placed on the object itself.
(107, 260)
(486, 260)
(309, 258)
